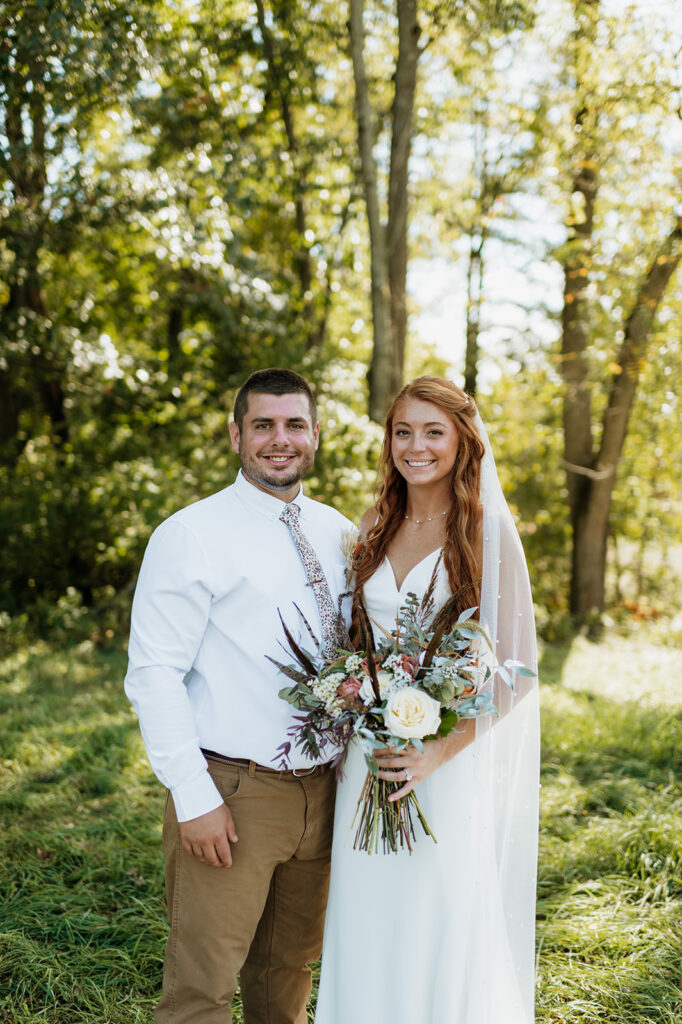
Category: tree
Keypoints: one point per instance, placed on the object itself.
(60, 65)
(259, 95)
(418, 27)
(187, 226)
(592, 452)
(500, 129)
(388, 241)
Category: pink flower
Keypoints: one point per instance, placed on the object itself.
(365, 667)
(408, 664)
(350, 687)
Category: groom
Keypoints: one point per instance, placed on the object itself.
(247, 846)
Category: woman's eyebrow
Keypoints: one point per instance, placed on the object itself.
(431, 423)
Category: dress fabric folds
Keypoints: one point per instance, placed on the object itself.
(443, 935)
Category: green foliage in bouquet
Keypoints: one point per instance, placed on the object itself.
(413, 686)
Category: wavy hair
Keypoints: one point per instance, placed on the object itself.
(463, 523)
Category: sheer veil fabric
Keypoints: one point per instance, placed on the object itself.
(445, 935)
(507, 778)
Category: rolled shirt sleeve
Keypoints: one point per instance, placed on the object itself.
(169, 618)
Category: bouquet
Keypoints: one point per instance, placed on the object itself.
(413, 686)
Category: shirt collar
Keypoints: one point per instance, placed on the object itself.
(262, 501)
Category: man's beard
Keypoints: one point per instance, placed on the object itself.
(256, 472)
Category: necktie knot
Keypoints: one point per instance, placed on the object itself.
(289, 514)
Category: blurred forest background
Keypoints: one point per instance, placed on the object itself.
(365, 191)
(192, 190)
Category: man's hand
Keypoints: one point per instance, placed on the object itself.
(208, 837)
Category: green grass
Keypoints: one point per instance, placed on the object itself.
(82, 920)
(610, 876)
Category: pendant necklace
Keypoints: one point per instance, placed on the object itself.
(418, 522)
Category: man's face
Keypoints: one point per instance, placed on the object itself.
(277, 442)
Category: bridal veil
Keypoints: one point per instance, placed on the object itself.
(507, 777)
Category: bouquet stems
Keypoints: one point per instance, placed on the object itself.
(390, 825)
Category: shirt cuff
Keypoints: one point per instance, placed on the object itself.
(192, 799)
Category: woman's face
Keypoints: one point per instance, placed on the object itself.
(424, 442)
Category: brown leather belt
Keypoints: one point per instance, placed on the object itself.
(243, 762)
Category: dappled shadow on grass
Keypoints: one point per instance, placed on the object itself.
(620, 971)
(610, 871)
(552, 663)
(42, 690)
(82, 919)
(590, 736)
(610, 789)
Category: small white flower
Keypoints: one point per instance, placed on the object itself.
(366, 691)
(326, 688)
(388, 684)
(352, 664)
(394, 662)
(334, 708)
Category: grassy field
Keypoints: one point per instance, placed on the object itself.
(82, 922)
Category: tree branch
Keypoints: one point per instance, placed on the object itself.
(638, 331)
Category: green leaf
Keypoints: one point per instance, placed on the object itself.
(448, 721)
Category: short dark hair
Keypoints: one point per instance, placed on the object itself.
(273, 381)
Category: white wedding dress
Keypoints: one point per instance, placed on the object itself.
(427, 937)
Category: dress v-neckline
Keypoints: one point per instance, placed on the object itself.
(399, 589)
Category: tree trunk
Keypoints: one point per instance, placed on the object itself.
(588, 568)
(591, 475)
(398, 195)
(586, 522)
(381, 367)
(281, 85)
(388, 244)
(636, 340)
(575, 338)
(591, 517)
(474, 295)
(575, 316)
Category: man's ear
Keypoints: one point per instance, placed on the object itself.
(234, 436)
(316, 435)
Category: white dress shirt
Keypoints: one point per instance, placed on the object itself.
(205, 615)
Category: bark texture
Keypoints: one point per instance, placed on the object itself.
(398, 186)
(595, 480)
(591, 472)
(388, 242)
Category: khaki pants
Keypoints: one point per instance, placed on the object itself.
(263, 916)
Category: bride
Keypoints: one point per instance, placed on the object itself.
(444, 935)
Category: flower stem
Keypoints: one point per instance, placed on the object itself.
(389, 824)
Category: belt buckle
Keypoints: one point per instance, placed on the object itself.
(303, 773)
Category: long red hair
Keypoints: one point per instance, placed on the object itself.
(463, 522)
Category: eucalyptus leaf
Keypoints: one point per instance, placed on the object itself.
(519, 667)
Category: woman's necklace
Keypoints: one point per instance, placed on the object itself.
(418, 522)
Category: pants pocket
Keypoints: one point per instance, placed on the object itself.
(228, 779)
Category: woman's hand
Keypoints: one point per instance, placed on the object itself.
(412, 765)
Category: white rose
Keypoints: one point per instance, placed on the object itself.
(384, 678)
(411, 713)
